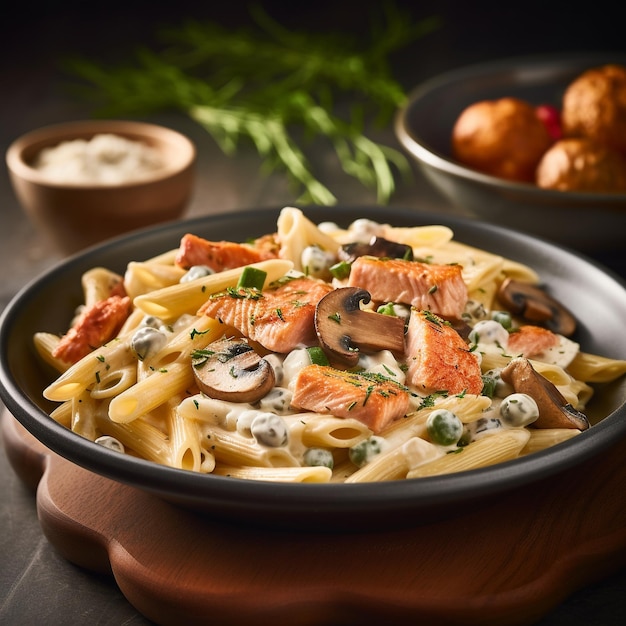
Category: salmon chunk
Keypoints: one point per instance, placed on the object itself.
(96, 325)
(222, 255)
(281, 318)
(529, 340)
(374, 400)
(425, 286)
(438, 359)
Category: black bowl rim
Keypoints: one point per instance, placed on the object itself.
(413, 143)
(328, 504)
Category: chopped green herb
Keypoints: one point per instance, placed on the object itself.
(252, 278)
(317, 356)
(196, 333)
(340, 270)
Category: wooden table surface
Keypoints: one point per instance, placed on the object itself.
(37, 585)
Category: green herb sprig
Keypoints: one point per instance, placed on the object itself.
(272, 86)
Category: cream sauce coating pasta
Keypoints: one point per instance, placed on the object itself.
(148, 402)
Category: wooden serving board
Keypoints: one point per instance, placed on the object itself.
(508, 563)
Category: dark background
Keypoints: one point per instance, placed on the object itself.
(37, 585)
(36, 33)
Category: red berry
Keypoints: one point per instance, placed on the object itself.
(551, 117)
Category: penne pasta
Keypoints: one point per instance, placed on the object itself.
(186, 452)
(98, 283)
(87, 372)
(397, 463)
(491, 449)
(155, 387)
(45, 343)
(278, 474)
(171, 302)
(151, 392)
(592, 368)
(296, 232)
(543, 438)
(235, 449)
(141, 278)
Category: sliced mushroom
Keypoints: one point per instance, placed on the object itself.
(344, 329)
(536, 306)
(229, 369)
(554, 410)
(377, 246)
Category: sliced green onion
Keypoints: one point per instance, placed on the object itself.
(341, 270)
(252, 278)
(317, 356)
(387, 309)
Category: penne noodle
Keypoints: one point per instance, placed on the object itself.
(497, 448)
(296, 232)
(185, 442)
(114, 381)
(141, 278)
(396, 464)
(592, 368)
(45, 343)
(97, 284)
(86, 372)
(83, 418)
(145, 439)
(233, 448)
(542, 438)
(63, 414)
(171, 302)
(151, 392)
(329, 431)
(277, 474)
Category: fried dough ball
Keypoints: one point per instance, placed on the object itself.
(503, 137)
(594, 106)
(582, 165)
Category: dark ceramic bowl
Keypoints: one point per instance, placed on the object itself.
(597, 298)
(584, 221)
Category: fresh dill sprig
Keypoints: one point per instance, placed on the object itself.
(272, 86)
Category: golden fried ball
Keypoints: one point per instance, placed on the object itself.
(594, 106)
(582, 165)
(503, 137)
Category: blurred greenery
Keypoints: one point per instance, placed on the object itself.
(276, 87)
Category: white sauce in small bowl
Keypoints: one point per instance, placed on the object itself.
(105, 159)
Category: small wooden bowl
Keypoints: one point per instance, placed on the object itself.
(76, 215)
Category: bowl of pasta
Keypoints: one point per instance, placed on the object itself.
(329, 368)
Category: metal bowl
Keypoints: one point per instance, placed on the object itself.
(584, 221)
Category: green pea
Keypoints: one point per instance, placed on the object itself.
(364, 451)
(318, 457)
(444, 427)
(503, 318)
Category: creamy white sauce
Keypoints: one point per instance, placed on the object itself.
(105, 159)
(562, 354)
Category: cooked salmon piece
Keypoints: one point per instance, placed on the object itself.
(280, 318)
(529, 340)
(223, 255)
(437, 357)
(96, 325)
(374, 400)
(425, 286)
